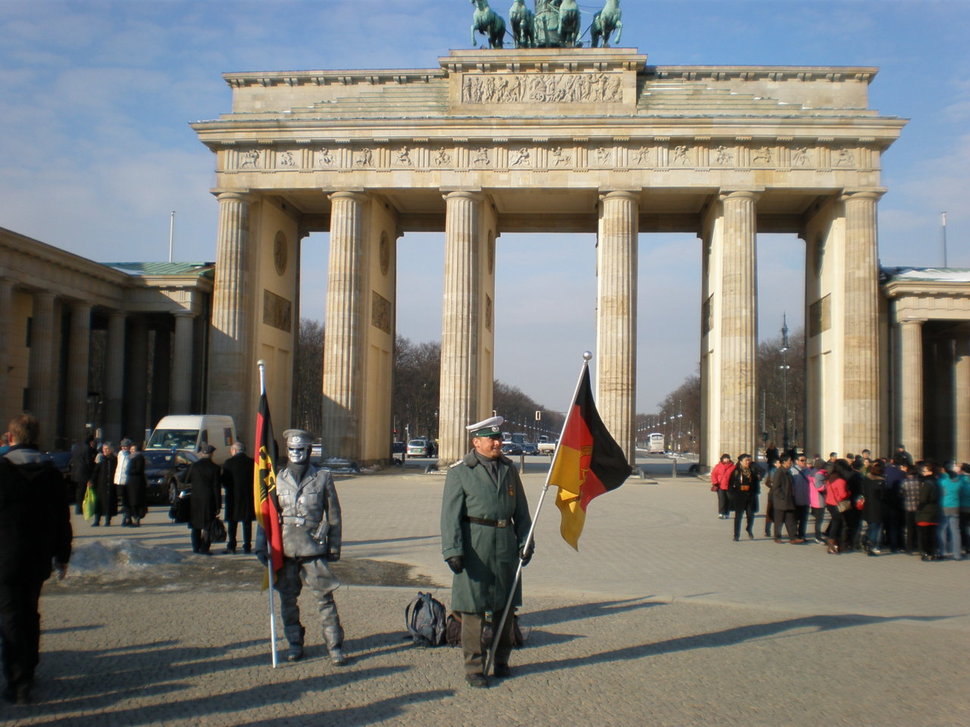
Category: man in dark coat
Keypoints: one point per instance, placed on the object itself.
(137, 488)
(484, 525)
(203, 479)
(783, 499)
(82, 464)
(35, 537)
(237, 481)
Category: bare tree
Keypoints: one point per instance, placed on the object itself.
(417, 374)
(308, 388)
(519, 411)
(780, 404)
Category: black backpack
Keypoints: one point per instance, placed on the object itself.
(425, 620)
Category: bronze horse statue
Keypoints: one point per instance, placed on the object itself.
(568, 23)
(605, 22)
(489, 23)
(522, 21)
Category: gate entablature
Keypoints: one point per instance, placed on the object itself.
(565, 139)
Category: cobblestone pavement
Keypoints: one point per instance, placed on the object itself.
(659, 619)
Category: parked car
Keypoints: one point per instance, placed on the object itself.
(529, 448)
(165, 472)
(511, 448)
(420, 447)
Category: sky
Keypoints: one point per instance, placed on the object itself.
(96, 149)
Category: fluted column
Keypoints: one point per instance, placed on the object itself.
(229, 354)
(911, 386)
(135, 395)
(961, 397)
(616, 317)
(78, 366)
(182, 360)
(42, 374)
(7, 397)
(342, 357)
(738, 319)
(459, 324)
(114, 376)
(861, 343)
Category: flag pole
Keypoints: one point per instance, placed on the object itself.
(497, 633)
(269, 546)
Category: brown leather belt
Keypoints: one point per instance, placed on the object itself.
(485, 521)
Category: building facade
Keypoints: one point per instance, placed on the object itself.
(99, 348)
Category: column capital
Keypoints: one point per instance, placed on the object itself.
(357, 195)
(183, 313)
(476, 195)
(229, 194)
(874, 194)
(752, 194)
(632, 194)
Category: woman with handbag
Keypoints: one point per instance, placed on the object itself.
(837, 501)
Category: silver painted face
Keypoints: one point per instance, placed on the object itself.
(297, 455)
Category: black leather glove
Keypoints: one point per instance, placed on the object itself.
(456, 563)
(526, 553)
(332, 557)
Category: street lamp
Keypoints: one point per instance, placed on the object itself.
(784, 377)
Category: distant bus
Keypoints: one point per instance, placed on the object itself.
(655, 443)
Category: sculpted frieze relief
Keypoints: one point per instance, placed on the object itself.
(545, 88)
(662, 154)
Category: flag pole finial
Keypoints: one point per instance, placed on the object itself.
(587, 355)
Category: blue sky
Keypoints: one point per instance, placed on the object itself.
(96, 150)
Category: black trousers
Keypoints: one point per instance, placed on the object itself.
(20, 631)
(247, 534)
(200, 540)
(787, 517)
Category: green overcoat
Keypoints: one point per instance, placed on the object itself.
(490, 553)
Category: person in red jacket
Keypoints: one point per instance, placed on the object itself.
(720, 476)
(836, 492)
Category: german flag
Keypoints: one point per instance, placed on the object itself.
(588, 462)
(264, 484)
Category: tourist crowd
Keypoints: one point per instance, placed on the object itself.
(856, 503)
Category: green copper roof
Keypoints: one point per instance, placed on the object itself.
(161, 268)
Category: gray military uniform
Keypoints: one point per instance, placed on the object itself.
(311, 531)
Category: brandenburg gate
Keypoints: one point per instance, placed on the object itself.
(547, 140)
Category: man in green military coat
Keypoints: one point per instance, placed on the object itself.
(484, 525)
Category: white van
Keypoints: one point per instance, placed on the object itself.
(191, 431)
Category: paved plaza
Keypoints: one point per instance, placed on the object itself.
(660, 619)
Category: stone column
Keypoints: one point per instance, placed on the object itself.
(232, 297)
(136, 389)
(860, 400)
(161, 400)
(738, 318)
(9, 400)
(911, 387)
(961, 396)
(342, 357)
(42, 373)
(458, 400)
(114, 376)
(78, 366)
(616, 317)
(182, 359)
